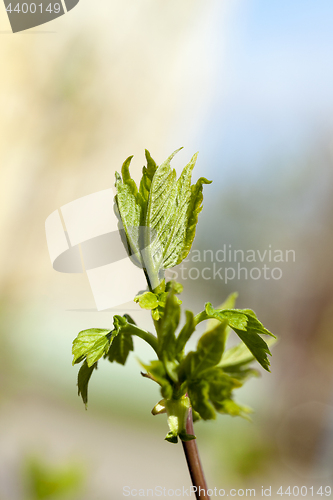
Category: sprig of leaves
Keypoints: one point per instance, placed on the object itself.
(160, 220)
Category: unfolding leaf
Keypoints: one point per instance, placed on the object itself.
(177, 287)
(210, 348)
(214, 391)
(98, 350)
(92, 343)
(120, 348)
(221, 386)
(186, 332)
(174, 247)
(159, 217)
(193, 210)
(167, 327)
(198, 392)
(230, 407)
(238, 355)
(121, 341)
(249, 331)
(229, 303)
(145, 184)
(129, 205)
(147, 300)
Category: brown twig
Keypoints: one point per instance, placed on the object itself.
(193, 462)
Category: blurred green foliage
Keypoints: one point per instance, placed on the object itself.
(47, 482)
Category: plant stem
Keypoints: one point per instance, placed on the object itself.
(147, 336)
(193, 462)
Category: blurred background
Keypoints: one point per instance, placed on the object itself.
(248, 83)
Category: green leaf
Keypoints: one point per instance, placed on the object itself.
(129, 204)
(193, 210)
(177, 287)
(171, 438)
(122, 342)
(249, 332)
(146, 180)
(159, 217)
(175, 245)
(98, 350)
(229, 303)
(238, 355)
(125, 325)
(121, 346)
(147, 300)
(198, 392)
(186, 367)
(91, 344)
(230, 407)
(210, 348)
(186, 332)
(213, 391)
(241, 373)
(221, 386)
(83, 378)
(167, 327)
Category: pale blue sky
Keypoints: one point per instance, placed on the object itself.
(277, 80)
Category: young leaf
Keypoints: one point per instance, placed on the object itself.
(120, 348)
(100, 348)
(210, 348)
(238, 355)
(167, 209)
(83, 378)
(221, 386)
(229, 303)
(186, 332)
(167, 327)
(145, 184)
(193, 210)
(173, 250)
(234, 409)
(129, 205)
(198, 392)
(147, 300)
(121, 341)
(92, 344)
(241, 373)
(248, 328)
(159, 217)
(213, 391)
